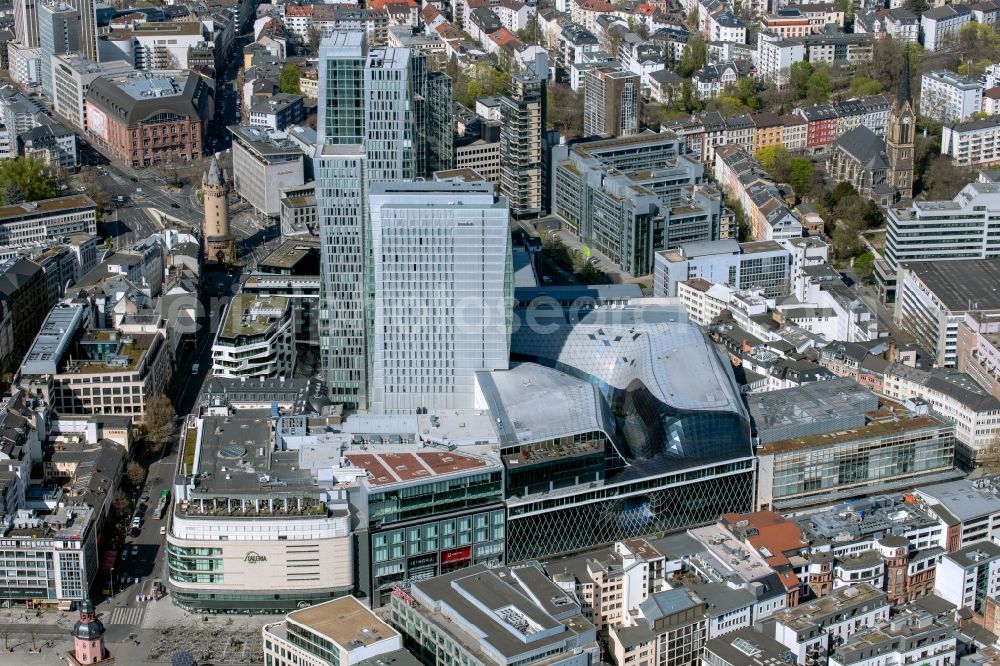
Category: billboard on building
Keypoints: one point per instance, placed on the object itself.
(97, 122)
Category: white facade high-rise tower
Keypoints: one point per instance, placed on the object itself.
(443, 292)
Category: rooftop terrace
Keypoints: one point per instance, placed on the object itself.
(872, 429)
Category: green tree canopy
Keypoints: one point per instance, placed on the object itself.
(694, 57)
(565, 110)
(313, 38)
(289, 80)
(774, 159)
(942, 179)
(800, 172)
(25, 179)
(978, 42)
(862, 85)
(864, 265)
(798, 78)
(485, 80)
(818, 86)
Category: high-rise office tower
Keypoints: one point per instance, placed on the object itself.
(341, 182)
(391, 137)
(610, 102)
(375, 104)
(522, 121)
(442, 292)
(88, 27)
(26, 23)
(440, 123)
(342, 88)
(340, 208)
(58, 33)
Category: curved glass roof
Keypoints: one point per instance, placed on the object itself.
(671, 390)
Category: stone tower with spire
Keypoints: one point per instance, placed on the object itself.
(220, 244)
(88, 638)
(899, 137)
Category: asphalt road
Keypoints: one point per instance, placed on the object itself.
(140, 189)
(134, 576)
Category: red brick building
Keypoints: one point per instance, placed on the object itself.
(147, 118)
(822, 125)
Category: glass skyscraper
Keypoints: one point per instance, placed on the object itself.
(376, 102)
(340, 200)
(58, 33)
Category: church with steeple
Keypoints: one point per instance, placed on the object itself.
(879, 169)
(899, 137)
(88, 639)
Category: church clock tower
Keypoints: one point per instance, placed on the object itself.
(900, 135)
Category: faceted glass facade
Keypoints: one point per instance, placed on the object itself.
(575, 521)
(667, 421)
(681, 428)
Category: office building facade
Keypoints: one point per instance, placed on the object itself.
(933, 297)
(631, 197)
(891, 454)
(379, 104)
(340, 205)
(72, 75)
(252, 529)
(264, 163)
(756, 265)
(58, 33)
(26, 23)
(442, 292)
(962, 228)
(42, 221)
(610, 102)
(341, 632)
(256, 339)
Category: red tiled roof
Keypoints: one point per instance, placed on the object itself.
(386, 468)
(503, 37)
(381, 4)
(296, 10)
(597, 6)
(448, 32)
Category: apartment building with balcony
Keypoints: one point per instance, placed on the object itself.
(256, 338)
(971, 143)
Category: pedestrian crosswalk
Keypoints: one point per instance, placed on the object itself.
(126, 615)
